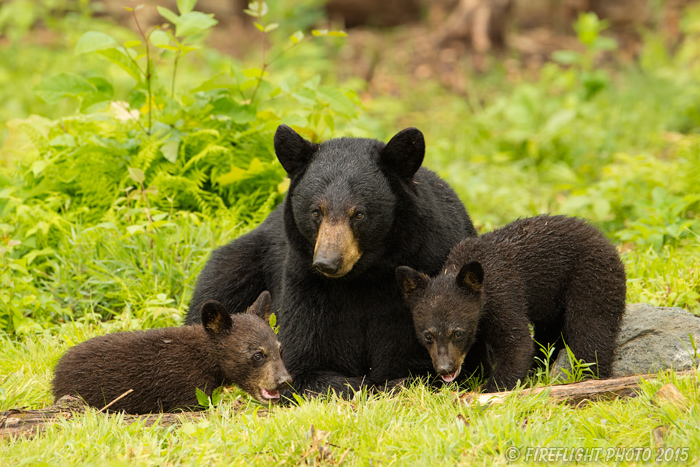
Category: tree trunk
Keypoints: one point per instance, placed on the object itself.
(480, 23)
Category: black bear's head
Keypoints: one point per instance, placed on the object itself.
(446, 311)
(343, 195)
(246, 348)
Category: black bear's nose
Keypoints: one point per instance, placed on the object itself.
(328, 266)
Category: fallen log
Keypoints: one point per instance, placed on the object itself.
(574, 394)
(22, 422)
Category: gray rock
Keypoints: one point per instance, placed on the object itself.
(651, 339)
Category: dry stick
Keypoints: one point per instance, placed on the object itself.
(575, 393)
(116, 400)
(148, 70)
(342, 458)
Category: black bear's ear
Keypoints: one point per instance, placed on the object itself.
(262, 307)
(293, 151)
(403, 155)
(215, 318)
(411, 281)
(471, 277)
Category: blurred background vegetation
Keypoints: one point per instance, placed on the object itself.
(137, 139)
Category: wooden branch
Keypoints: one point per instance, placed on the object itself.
(575, 393)
(21, 422)
(116, 400)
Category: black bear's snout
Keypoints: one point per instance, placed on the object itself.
(329, 266)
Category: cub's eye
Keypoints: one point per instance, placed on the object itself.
(258, 356)
(457, 334)
(316, 213)
(428, 338)
(359, 215)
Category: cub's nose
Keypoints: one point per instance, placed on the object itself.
(445, 368)
(284, 380)
(329, 266)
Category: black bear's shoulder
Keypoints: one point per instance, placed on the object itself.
(430, 219)
(237, 272)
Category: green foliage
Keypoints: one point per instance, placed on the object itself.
(273, 323)
(667, 277)
(588, 27)
(37, 36)
(210, 401)
(543, 373)
(122, 176)
(19, 299)
(662, 220)
(18, 17)
(546, 375)
(578, 370)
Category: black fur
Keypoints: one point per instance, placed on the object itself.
(346, 325)
(556, 272)
(164, 367)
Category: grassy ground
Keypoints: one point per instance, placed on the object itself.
(418, 426)
(627, 158)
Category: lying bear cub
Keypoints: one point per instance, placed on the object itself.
(555, 272)
(164, 367)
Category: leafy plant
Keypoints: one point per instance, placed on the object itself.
(207, 401)
(661, 220)
(588, 28)
(137, 169)
(200, 149)
(542, 374)
(273, 323)
(577, 369)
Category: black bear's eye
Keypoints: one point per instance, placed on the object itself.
(258, 356)
(316, 213)
(428, 338)
(457, 334)
(359, 215)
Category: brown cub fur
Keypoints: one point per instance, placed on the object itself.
(556, 272)
(165, 366)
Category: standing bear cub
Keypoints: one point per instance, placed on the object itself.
(555, 272)
(165, 367)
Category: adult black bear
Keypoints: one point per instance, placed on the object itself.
(165, 367)
(356, 209)
(556, 272)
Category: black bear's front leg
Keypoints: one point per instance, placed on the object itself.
(508, 336)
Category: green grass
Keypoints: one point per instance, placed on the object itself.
(418, 426)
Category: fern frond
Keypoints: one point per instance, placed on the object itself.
(147, 154)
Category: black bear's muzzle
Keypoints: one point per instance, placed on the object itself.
(336, 250)
(328, 266)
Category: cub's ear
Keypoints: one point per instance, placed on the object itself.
(471, 277)
(403, 155)
(262, 307)
(293, 151)
(215, 318)
(411, 282)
